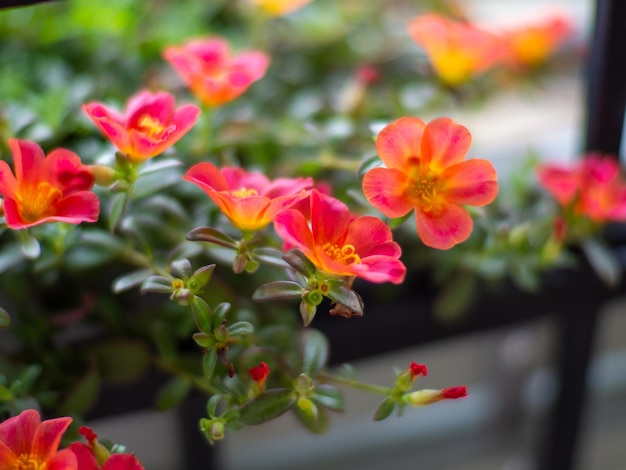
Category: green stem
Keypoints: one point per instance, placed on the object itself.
(378, 389)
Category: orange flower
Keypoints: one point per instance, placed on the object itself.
(425, 171)
(213, 75)
(341, 245)
(279, 7)
(27, 443)
(457, 50)
(46, 189)
(530, 45)
(150, 125)
(249, 200)
(593, 186)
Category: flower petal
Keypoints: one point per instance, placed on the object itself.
(84, 456)
(28, 161)
(19, 431)
(444, 143)
(159, 106)
(64, 460)
(399, 141)
(380, 269)
(329, 219)
(122, 462)
(8, 183)
(206, 175)
(8, 459)
(385, 190)
(450, 226)
(68, 172)
(472, 182)
(561, 182)
(371, 236)
(292, 227)
(111, 124)
(48, 437)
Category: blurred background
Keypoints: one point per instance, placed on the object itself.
(56, 56)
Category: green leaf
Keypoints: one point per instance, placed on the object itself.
(121, 359)
(241, 328)
(201, 277)
(173, 393)
(298, 261)
(211, 235)
(267, 406)
(603, 261)
(209, 361)
(182, 268)
(219, 314)
(211, 406)
(329, 397)
(154, 166)
(278, 290)
(159, 284)
(315, 351)
(5, 319)
(315, 419)
(271, 256)
(83, 394)
(346, 297)
(120, 200)
(130, 280)
(385, 409)
(202, 314)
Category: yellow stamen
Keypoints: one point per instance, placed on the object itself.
(149, 125)
(28, 462)
(345, 254)
(36, 202)
(245, 192)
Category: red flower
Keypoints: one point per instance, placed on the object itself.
(250, 200)
(457, 50)
(593, 186)
(530, 45)
(213, 75)
(150, 125)
(55, 188)
(341, 245)
(418, 369)
(27, 443)
(259, 374)
(96, 457)
(426, 172)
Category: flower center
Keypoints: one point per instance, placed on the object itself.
(245, 192)
(425, 191)
(345, 254)
(35, 202)
(147, 124)
(28, 462)
(454, 66)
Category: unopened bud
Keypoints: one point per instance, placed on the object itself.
(428, 396)
(103, 175)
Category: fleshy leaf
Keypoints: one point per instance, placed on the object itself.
(182, 268)
(278, 290)
(346, 297)
(267, 406)
(385, 409)
(211, 235)
(130, 280)
(329, 396)
(158, 284)
(172, 393)
(241, 328)
(202, 314)
(315, 351)
(298, 261)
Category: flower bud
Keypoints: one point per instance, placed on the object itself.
(429, 396)
(103, 175)
(405, 380)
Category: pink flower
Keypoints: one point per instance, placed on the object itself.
(27, 443)
(426, 172)
(249, 200)
(341, 245)
(206, 66)
(593, 187)
(150, 125)
(55, 188)
(96, 457)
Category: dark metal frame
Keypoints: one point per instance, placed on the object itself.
(572, 299)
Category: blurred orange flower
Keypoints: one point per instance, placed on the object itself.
(55, 188)
(530, 45)
(458, 50)
(426, 171)
(216, 77)
(279, 7)
(150, 125)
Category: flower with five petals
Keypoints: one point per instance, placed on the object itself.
(249, 200)
(341, 245)
(53, 188)
(27, 443)
(150, 125)
(216, 77)
(426, 171)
